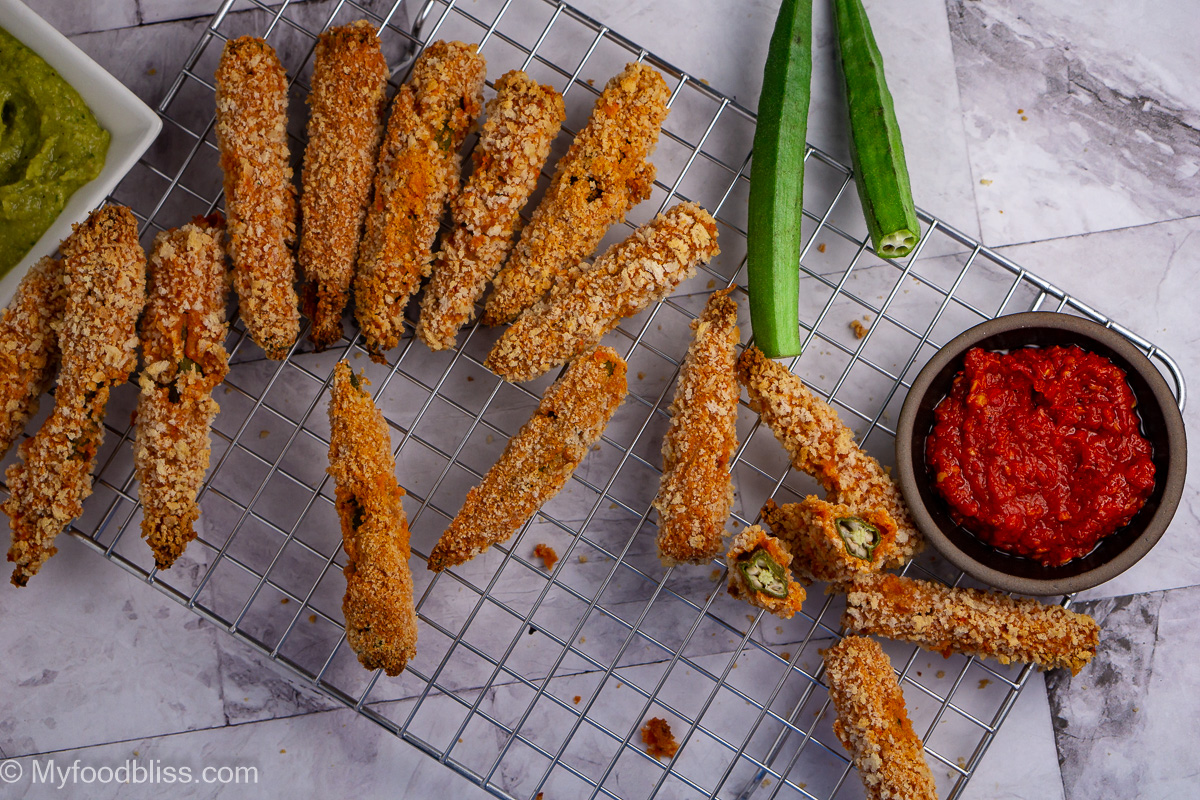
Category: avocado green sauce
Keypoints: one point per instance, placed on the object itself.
(50, 145)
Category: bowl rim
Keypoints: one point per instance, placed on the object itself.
(132, 124)
(1176, 456)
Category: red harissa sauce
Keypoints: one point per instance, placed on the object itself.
(1038, 451)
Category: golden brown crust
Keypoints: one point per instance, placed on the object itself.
(603, 175)
(592, 299)
(183, 334)
(809, 529)
(537, 461)
(345, 124)
(522, 121)
(820, 445)
(659, 741)
(417, 173)
(29, 346)
(104, 275)
(696, 491)
(872, 722)
(260, 200)
(969, 621)
(745, 544)
(381, 618)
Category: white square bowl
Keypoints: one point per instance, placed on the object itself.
(132, 124)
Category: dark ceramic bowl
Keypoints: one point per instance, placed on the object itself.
(1162, 425)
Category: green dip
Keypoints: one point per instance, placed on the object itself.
(50, 145)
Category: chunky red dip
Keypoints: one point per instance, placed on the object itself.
(1038, 451)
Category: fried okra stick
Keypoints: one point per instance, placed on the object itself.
(830, 542)
(759, 574)
(696, 490)
(522, 121)
(29, 346)
(260, 200)
(183, 333)
(601, 177)
(345, 124)
(820, 445)
(417, 173)
(381, 619)
(968, 621)
(104, 275)
(872, 722)
(537, 462)
(591, 300)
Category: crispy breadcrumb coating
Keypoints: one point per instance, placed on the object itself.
(810, 531)
(418, 172)
(183, 334)
(742, 550)
(381, 619)
(345, 124)
(659, 741)
(872, 722)
(985, 624)
(537, 462)
(592, 299)
(260, 200)
(522, 121)
(104, 275)
(29, 346)
(601, 177)
(696, 491)
(820, 445)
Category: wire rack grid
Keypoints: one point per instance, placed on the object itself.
(532, 681)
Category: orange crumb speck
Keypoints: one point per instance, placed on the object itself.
(283, 601)
(821, 247)
(656, 735)
(859, 329)
(546, 553)
(577, 698)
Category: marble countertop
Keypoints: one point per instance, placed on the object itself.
(1065, 134)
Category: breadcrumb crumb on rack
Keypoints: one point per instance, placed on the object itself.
(872, 722)
(381, 618)
(522, 121)
(183, 334)
(29, 346)
(696, 490)
(260, 201)
(969, 621)
(539, 460)
(345, 124)
(603, 174)
(592, 299)
(815, 532)
(417, 173)
(822, 446)
(759, 574)
(104, 275)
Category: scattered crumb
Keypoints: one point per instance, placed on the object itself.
(619, 684)
(711, 285)
(1001, 211)
(596, 448)
(263, 434)
(859, 329)
(641, 376)
(750, 617)
(282, 750)
(228, 389)
(283, 601)
(705, 81)
(1024, 118)
(489, 439)
(546, 553)
(1020, 111)
(821, 247)
(583, 559)
(660, 327)
(470, 378)
(941, 673)
(962, 762)
(358, 354)
(918, 673)
(985, 182)
(591, 81)
(716, 573)
(460, 741)
(312, 618)
(778, 630)
(577, 698)
(656, 735)
(152, 71)
(539, 796)
(766, 782)
(983, 682)
(786, 655)
(583, 640)
(612, 505)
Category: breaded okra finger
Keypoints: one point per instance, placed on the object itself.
(260, 200)
(417, 173)
(601, 177)
(820, 445)
(29, 346)
(976, 623)
(591, 300)
(381, 619)
(696, 490)
(345, 124)
(522, 121)
(183, 334)
(537, 461)
(872, 722)
(104, 275)
(759, 574)
(831, 542)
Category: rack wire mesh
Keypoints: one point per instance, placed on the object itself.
(531, 681)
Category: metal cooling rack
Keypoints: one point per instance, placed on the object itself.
(527, 681)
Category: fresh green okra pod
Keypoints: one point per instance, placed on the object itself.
(764, 574)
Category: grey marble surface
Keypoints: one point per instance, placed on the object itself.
(1063, 133)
